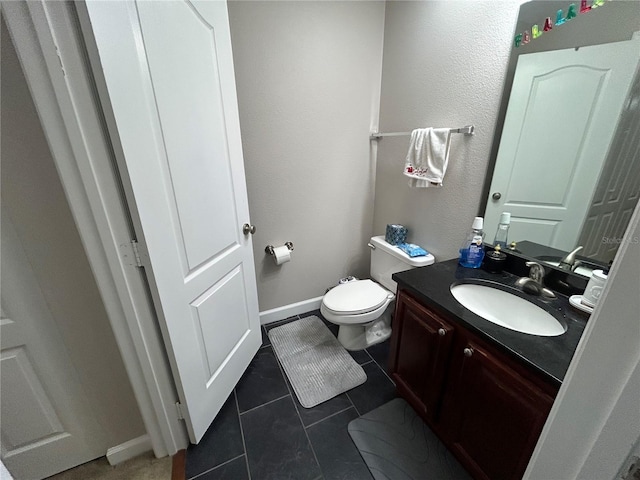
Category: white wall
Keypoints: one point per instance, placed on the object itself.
(308, 80)
(444, 66)
(33, 197)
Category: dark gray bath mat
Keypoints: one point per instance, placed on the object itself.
(397, 445)
(318, 367)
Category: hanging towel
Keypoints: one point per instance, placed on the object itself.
(428, 157)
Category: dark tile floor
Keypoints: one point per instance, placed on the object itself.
(263, 433)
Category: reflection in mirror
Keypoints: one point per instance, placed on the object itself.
(566, 161)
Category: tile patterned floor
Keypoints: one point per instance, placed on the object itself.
(263, 433)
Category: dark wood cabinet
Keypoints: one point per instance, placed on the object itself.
(419, 355)
(487, 408)
(495, 412)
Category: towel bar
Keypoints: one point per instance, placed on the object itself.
(467, 130)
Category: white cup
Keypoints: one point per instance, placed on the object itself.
(594, 288)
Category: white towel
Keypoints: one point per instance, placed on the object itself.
(428, 157)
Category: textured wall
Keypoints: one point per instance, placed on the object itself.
(593, 28)
(444, 65)
(308, 80)
(33, 197)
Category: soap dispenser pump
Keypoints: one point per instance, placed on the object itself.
(472, 251)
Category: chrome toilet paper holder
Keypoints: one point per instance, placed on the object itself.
(269, 248)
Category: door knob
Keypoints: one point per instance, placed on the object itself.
(496, 196)
(468, 352)
(442, 332)
(248, 229)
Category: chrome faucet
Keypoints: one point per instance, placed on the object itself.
(534, 282)
(569, 262)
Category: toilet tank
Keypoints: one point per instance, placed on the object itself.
(387, 259)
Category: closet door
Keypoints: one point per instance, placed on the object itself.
(168, 69)
(47, 422)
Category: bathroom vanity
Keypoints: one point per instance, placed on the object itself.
(485, 390)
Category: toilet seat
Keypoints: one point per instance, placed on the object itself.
(355, 298)
(362, 302)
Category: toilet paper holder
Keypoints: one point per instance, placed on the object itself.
(269, 248)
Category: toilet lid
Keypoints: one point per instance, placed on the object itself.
(356, 297)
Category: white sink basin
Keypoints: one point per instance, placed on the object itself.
(507, 310)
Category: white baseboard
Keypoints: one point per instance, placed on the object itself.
(280, 313)
(129, 449)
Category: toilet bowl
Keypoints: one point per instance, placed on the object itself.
(362, 308)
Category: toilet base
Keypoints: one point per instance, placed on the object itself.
(359, 337)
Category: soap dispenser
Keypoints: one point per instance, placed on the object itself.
(472, 251)
(503, 230)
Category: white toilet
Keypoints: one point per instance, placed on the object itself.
(362, 308)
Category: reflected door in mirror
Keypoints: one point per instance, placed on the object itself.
(563, 111)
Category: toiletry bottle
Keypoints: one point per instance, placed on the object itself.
(472, 251)
(503, 230)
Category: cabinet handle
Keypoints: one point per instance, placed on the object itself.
(442, 332)
(468, 352)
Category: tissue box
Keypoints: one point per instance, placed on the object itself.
(395, 234)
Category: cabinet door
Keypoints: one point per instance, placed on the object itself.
(420, 347)
(494, 414)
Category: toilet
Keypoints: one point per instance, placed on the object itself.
(362, 308)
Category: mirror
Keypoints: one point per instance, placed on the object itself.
(565, 156)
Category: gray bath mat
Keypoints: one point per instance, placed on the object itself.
(397, 445)
(318, 367)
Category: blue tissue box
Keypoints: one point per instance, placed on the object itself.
(395, 234)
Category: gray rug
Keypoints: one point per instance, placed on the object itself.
(318, 367)
(397, 445)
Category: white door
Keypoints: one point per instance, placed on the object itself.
(618, 189)
(168, 68)
(47, 424)
(563, 111)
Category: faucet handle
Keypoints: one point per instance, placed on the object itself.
(533, 284)
(536, 271)
(569, 259)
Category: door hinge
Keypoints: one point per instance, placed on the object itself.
(180, 410)
(136, 253)
(132, 253)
